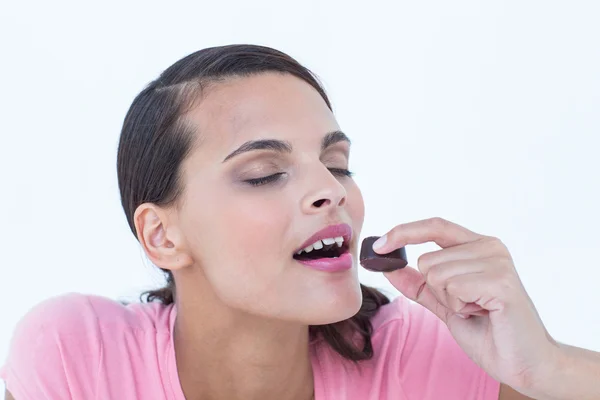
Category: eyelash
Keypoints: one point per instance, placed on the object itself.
(272, 178)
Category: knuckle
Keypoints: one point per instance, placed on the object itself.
(505, 280)
(393, 234)
(508, 265)
(496, 245)
(423, 261)
(437, 222)
(434, 278)
(503, 263)
(453, 288)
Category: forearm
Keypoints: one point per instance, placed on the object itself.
(576, 375)
(579, 352)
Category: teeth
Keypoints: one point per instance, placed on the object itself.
(328, 241)
(339, 240)
(318, 245)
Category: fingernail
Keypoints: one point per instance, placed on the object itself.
(380, 242)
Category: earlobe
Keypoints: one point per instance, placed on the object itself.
(162, 242)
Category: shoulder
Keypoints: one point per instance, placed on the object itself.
(390, 330)
(414, 356)
(395, 312)
(400, 315)
(395, 326)
(417, 347)
(86, 317)
(409, 333)
(66, 313)
(73, 313)
(64, 339)
(382, 374)
(409, 323)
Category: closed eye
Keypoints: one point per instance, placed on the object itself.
(264, 180)
(342, 172)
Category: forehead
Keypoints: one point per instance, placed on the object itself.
(267, 106)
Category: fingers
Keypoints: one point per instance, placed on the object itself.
(444, 233)
(438, 276)
(471, 287)
(482, 248)
(411, 283)
(471, 258)
(472, 274)
(475, 289)
(458, 283)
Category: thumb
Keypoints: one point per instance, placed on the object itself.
(411, 283)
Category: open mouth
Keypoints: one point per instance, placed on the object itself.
(326, 248)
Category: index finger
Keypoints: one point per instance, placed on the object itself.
(444, 233)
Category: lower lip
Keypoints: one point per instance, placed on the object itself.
(342, 263)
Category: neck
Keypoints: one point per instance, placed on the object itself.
(225, 354)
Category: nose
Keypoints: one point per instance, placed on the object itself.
(325, 193)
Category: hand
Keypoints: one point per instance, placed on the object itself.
(472, 285)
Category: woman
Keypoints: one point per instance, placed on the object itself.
(234, 178)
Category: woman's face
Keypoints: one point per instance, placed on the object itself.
(243, 237)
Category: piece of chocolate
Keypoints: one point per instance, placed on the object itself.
(381, 262)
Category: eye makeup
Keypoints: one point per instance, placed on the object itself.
(269, 167)
(340, 172)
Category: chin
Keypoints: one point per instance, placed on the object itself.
(337, 307)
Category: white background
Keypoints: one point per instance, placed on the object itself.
(484, 113)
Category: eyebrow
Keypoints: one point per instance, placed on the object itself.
(283, 146)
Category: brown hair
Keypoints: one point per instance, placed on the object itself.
(155, 140)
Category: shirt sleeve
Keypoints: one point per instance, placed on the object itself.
(434, 366)
(45, 348)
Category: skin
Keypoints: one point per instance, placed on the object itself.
(244, 304)
(473, 276)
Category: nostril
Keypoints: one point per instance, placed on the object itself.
(319, 203)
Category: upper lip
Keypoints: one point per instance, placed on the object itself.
(332, 231)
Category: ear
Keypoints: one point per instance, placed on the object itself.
(161, 238)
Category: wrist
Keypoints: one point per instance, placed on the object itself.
(546, 384)
(569, 373)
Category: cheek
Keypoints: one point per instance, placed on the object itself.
(257, 225)
(355, 206)
(241, 236)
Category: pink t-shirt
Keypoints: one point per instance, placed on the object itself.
(92, 348)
